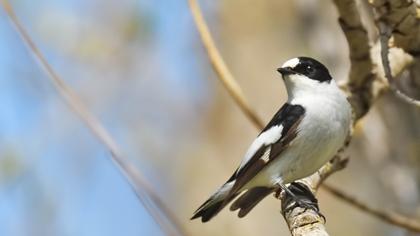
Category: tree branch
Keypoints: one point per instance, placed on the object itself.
(219, 66)
(385, 34)
(307, 222)
(398, 18)
(360, 81)
(143, 190)
(387, 216)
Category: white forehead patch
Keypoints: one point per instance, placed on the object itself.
(291, 63)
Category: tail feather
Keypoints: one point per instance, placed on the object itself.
(209, 211)
(250, 199)
(215, 203)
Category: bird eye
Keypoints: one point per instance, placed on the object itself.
(309, 68)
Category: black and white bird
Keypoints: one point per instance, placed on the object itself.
(301, 137)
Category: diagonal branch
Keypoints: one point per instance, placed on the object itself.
(219, 65)
(313, 180)
(387, 216)
(143, 190)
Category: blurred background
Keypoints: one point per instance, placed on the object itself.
(140, 67)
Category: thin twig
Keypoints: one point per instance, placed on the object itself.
(385, 34)
(143, 190)
(390, 217)
(219, 66)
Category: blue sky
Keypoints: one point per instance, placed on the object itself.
(61, 181)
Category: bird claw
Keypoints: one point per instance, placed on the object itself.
(307, 206)
(300, 197)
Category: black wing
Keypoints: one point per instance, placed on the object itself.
(288, 117)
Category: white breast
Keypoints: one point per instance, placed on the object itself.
(322, 131)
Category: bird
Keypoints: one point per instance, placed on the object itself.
(305, 133)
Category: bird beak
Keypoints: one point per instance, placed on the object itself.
(285, 71)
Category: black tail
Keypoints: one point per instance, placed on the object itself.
(250, 199)
(215, 203)
(221, 198)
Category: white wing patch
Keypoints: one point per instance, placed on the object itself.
(266, 156)
(269, 136)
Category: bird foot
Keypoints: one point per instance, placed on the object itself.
(298, 195)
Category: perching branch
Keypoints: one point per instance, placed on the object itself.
(143, 190)
(308, 222)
